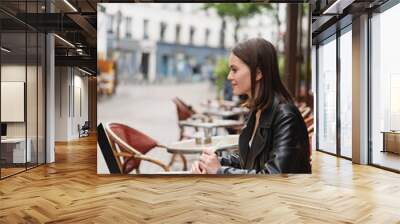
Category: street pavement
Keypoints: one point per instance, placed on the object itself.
(149, 108)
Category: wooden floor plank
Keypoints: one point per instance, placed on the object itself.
(70, 191)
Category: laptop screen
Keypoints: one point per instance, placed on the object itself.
(3, 129)
(106, 150)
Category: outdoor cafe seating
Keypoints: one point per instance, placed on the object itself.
(131, 146)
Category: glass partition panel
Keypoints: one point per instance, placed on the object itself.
(385, 89)
(346, 94)
(327, 96)
(14, 151)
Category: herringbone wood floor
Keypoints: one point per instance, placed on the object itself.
(70, 191)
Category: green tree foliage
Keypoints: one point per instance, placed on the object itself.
(236, 11)
(221, 73)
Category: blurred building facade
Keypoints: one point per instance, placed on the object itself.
(155, 42)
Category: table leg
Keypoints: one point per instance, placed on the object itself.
(172, 160)
(184, 162)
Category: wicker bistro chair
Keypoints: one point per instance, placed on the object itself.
(130, 147)
(309, 121)
(306, 112)
(184, 112)
(83, 131)
(308, 117)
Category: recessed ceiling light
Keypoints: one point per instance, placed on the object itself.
(70, 5)
(5, 50)
(64, 40)
(337, 7)
(86, 72)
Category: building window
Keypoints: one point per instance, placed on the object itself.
(177, 33)
(145, 29)
(207, 37)
(110, 24)
(163, 27)
(222, 34)
(191, 34)
(128, 27)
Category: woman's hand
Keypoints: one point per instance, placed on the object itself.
(196, 169)
(209, 161)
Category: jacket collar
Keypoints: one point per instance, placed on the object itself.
(248, 155)
(266, 115)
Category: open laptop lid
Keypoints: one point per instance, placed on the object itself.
(106, 150)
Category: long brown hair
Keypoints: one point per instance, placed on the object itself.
(258, 53)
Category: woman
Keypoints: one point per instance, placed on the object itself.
(274, 139)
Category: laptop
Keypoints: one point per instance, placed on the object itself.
(106, 150)
(3, 131)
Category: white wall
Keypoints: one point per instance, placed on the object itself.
(101, 32)
(61, 103)
(69, 85)
(80, 83)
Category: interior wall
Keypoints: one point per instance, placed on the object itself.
(80, 104)
(61, 103)
(71, 102)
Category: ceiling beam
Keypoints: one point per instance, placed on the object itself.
(81, 61)
(84, 24)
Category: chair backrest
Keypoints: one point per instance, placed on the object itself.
(309, 120)
(131, 141)
(306, 112)
(86, 125)
(310, 130)
(300, 105)
(184, 111)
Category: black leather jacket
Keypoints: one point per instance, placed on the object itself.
(280, 144)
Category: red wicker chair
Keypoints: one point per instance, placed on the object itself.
(184, 111)
(130, 147)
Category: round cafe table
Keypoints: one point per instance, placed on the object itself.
(218, 143)
(225, 113)
(219, 103)
(215, 123)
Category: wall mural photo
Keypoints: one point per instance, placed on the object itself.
(205, 88)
